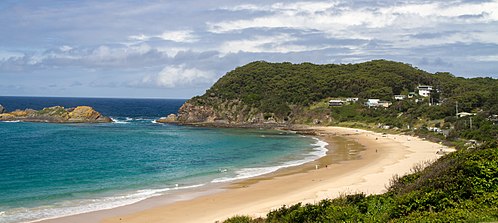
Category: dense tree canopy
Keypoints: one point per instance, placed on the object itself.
(272, 86)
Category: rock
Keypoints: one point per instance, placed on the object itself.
(171, 118)
(2, 109)
(86, 114)
(57, 114)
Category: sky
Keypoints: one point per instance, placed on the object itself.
(179, 48)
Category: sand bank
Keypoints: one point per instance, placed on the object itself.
(358, 161)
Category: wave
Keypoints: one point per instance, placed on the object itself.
(129, 120)
(68, 208)
(117, 121)
(319, 151)
(12, 121)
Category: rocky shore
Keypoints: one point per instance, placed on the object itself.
(56, 114)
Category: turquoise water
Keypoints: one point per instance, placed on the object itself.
(51, 170)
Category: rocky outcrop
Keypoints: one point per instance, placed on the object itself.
(2, 109)
(214, 111)
(57, 114)
(171, 118)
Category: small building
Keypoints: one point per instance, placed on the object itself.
(463, 114)
(352, 100)
(335, 102)
(411, 94)
(384, 104)
(372, 102)
(399, 97)
(424, 90)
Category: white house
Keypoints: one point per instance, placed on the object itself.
(424, 90)
(399, 97)
(352, 100)
(373, 102)
(463, 114)
(336, 102)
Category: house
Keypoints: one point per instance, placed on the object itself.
(372, 102)
(384, 104)
(399, 97)
(352, 100)
(411, 94)
(463, 114)
(335, 102)
(424, 90)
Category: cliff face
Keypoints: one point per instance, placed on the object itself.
(57, 114)
(2, 109)
(218, 111)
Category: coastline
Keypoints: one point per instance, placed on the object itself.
(375, 159)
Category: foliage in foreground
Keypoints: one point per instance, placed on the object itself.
(459, 187)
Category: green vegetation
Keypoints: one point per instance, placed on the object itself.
(459, 187)
(299, 94)
(52, 111)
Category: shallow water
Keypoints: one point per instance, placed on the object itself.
(51, 170)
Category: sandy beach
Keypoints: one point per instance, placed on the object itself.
(369, 160)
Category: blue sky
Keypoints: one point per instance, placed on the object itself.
(178, 49)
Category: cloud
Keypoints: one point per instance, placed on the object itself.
(281, 43)
(124, 44)
(103, 57)
(180, 36)
(175, 76)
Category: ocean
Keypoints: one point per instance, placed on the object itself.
(54, 170)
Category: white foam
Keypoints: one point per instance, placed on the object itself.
(74, 207)
(118, 121)
(12, 121)
(319, 151)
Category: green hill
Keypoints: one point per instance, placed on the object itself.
(459, 187)
(284, 93)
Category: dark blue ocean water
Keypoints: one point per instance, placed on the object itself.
(49, 170)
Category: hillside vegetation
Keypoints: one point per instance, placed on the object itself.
(285, 93)
(459, 187)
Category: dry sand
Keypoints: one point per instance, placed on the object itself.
(357, 161)
(382, 157)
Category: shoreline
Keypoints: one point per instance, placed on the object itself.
(376, 159)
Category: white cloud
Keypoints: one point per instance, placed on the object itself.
(185, 36)
(292, 7)
(281, 43)
(174, 76)
(179, 36)
(329, 18)
(489, 58)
